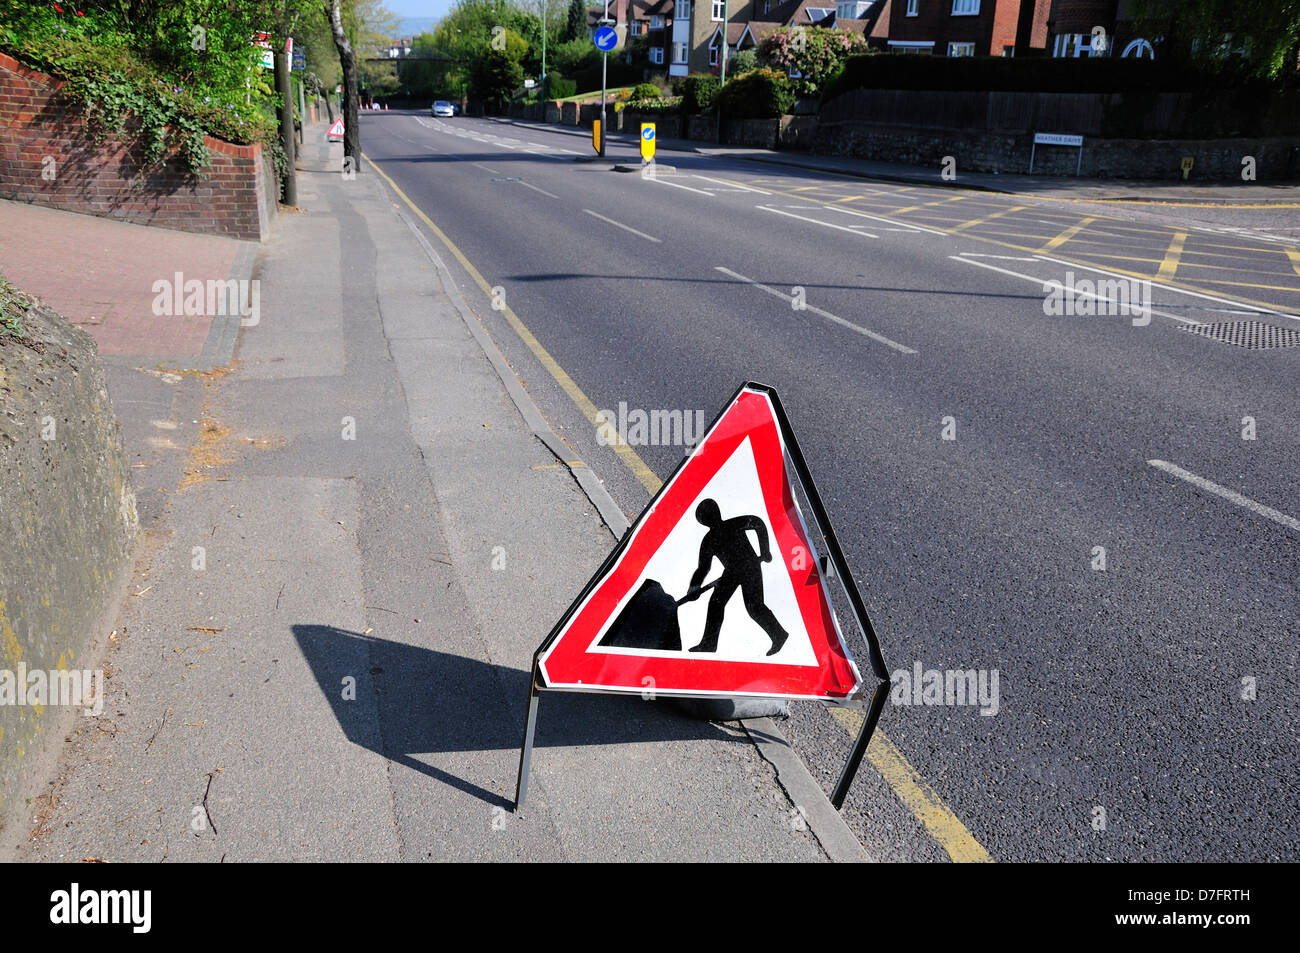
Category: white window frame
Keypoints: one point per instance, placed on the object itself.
(657, 55)
(634, 28)
(962, 8)
(682, 10)
(966, 46)
(912, 8)
(714, 50)
(656, 23)
(717, 10)
(684, 50)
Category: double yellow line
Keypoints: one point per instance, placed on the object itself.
(919, 798)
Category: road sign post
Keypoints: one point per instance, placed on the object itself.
(745, 484)
(647, 142)
(605, 39)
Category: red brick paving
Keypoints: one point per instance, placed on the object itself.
(100, 274)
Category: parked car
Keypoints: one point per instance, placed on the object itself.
(442, 108)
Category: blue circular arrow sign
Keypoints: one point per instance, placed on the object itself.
(648, 133)
(605, 39)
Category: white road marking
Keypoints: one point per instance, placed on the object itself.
(530, 185)
(626, 228)
(805, 218)
(971, 254)
(1182, 291)
(887, 221)
(736, 185)
(1082, 294)
(662, 181)
(479, 165)
(825, 314)
(1232, 495)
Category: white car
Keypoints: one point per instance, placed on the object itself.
(442, 108)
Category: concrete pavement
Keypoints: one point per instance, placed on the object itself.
(356, 540)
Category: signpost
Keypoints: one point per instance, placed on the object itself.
(660, 617)
(605, 39)
(647, 142)
(1056, 139)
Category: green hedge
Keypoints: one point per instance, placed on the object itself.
(759, 94)
(557, 87)
(1024, 74)
(698, 92)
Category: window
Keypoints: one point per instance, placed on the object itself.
(817, 14)
(961, 49)
(682, 11)
(634, 28)
(965, 8)
(656, 23)
(1074, 45)
(713, 51)
(679, 52)
(657, 55)
(717, 9)
(911, 7)
(1008, 51)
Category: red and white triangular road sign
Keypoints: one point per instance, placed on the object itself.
(336, 130)
(688, 605)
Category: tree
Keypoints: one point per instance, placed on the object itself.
(495, 77)
(1261, 38)
(348, 62)
(575, 27)
(817, 54)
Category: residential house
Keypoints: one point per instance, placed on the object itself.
(1073, 29)
(698, 30)
(968, 27)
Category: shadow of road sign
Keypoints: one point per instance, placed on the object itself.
(412, 700)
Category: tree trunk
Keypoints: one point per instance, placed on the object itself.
(348, 60)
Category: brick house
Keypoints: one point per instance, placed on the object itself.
(968, 27)
(1071, 24)
(698, 31)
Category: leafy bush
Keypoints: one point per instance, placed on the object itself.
(663, 107)
(759, 94)
(698, 92)
(557, 87)
(742, 63)
(644, 91)
(142, 84)
(816, 54)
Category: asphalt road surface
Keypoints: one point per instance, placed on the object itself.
(976, 454)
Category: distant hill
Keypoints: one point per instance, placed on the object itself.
(414, 26)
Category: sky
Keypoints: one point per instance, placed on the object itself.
(419, 8)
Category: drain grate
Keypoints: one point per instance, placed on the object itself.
(1255, 335)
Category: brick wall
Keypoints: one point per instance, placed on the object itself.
(47, 158)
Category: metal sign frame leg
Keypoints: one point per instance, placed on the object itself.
(526, 754)
(859, 746)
